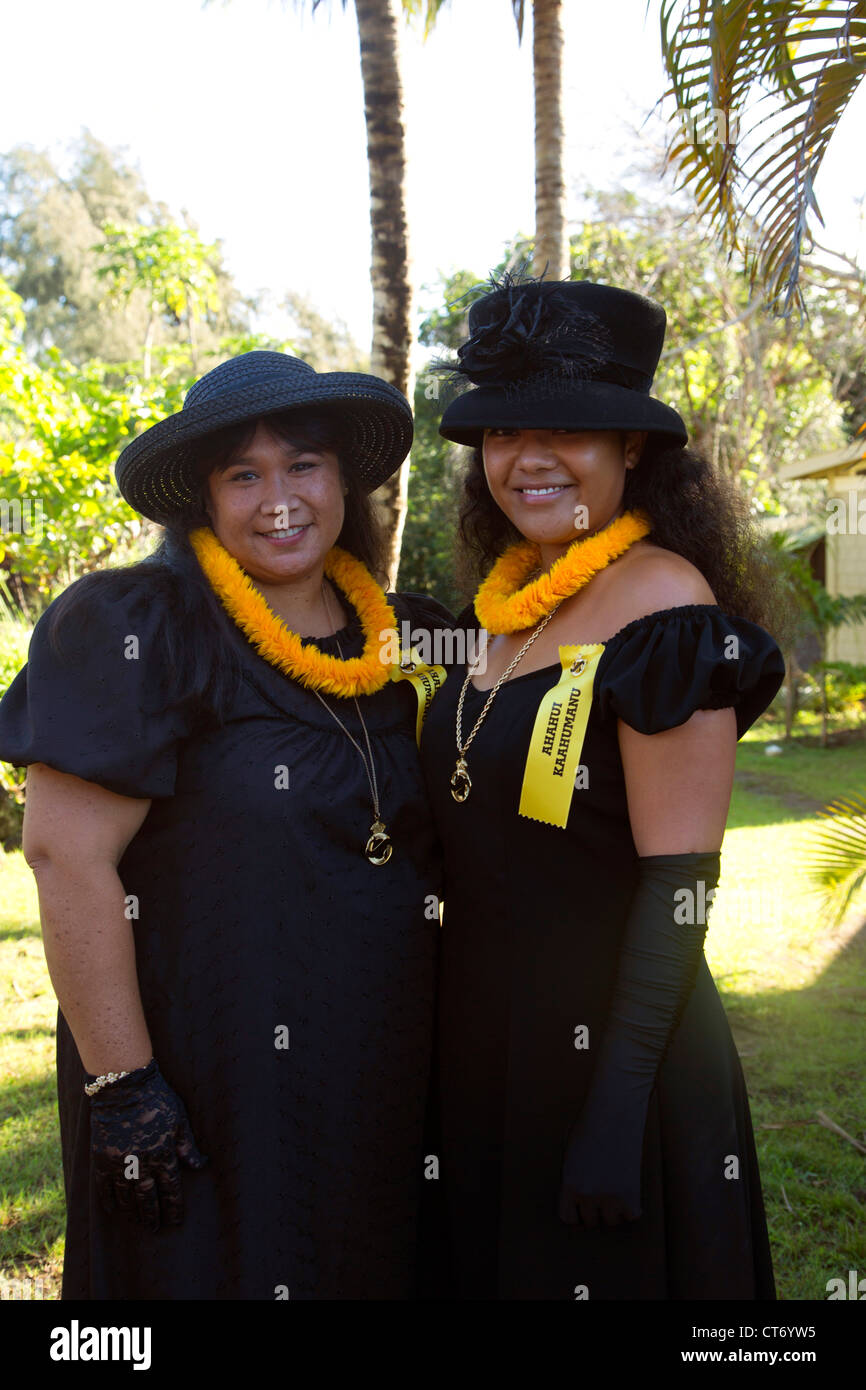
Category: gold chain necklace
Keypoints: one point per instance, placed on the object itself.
(461, 783)
(313, 669)
(507, 606)
(379, 847)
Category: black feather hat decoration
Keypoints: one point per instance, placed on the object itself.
(573, 354)
(527, 334)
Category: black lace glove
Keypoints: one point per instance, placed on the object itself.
(661, 950)
(141, 1117)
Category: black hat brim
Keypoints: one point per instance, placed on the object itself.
(155, 471)
(586, 405)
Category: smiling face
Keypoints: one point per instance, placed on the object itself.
(558, 485)
(277, 508)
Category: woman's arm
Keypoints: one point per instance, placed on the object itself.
(678, 785)
(679, 782)
(75, 833)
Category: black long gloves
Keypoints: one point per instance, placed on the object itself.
(659, 957)
(139, 1129)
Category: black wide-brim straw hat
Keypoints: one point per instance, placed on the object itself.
(155, 472)
(559, 354)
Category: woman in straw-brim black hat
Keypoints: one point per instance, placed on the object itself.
(236, 866)
(595, 1132)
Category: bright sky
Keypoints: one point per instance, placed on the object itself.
(249, 115)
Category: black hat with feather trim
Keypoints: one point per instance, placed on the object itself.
(559, 354)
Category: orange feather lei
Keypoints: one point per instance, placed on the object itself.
(357, 675)
(503, 606)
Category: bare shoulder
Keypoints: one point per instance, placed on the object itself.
(646, 579)
(665, 579)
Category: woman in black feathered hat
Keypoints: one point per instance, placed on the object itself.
(236, 865)
(595, 1132)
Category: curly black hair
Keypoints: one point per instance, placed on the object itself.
(695, 511)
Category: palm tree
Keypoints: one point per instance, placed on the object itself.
(393, 332)
(391, 349)
(393, 329)
(801, 60)
(548, 44)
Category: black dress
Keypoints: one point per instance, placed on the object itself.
(532, 921)
(257, 912)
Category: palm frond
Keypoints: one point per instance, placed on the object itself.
(796, 65)
(428, 8)
(838, 856)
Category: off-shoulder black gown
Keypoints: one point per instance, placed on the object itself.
(257, 911)
(533, 917)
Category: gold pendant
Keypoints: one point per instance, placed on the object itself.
(379, 848)
(461, 783)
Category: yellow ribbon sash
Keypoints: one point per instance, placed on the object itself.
(425, 679)
(557, 738)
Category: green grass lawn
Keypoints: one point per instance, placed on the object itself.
(31, 1181)
(795, 995)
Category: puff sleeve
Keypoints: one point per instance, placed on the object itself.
(424, 620)
(423, 611)
(658, 670)
(98, 708)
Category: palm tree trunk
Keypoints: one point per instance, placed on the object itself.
(551, 235)
(391, 351)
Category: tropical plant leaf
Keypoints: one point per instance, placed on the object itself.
(838, 856)
(412, 9)
(791, 69)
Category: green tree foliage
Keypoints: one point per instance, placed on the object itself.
(49, 224)
(61, 427)
(754, 392)
(52, 226)
(171, 267)
(427, 556)
(817, 613)
(325, 343)
(108, 311)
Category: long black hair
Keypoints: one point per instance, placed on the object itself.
(695, 511)
(202, 663)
